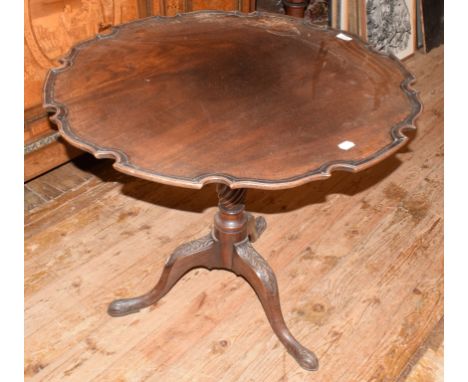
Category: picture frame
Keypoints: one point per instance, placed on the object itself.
(387, 25)
(391, 26)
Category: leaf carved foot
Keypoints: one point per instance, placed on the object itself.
(249, 264)
(197, 253)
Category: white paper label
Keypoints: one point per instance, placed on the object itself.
(344, 37)
(346, 145)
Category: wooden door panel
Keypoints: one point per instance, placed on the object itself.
(229, 5)
(51, 27)
(172, 7)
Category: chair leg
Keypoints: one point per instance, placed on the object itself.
(249, 264)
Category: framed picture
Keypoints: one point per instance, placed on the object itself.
(391, 26)
(387, 25)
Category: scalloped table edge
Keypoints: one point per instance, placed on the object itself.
(123, 164)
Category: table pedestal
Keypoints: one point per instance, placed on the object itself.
(227, 247)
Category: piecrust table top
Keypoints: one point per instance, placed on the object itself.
(259, 100)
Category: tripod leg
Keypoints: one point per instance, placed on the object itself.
(197, 253)
(249, 264)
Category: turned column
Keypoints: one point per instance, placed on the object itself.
(230, 222)
(295, 8)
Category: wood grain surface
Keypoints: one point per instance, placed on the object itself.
(259, 101)
(428, 363)
(52, 27)
(358, 257)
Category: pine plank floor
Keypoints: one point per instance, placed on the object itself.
(358, 257)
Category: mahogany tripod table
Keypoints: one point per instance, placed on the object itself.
(244, 101)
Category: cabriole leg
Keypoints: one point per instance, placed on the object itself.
(197, 253)
(249, 264)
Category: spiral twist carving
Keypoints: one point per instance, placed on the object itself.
(230, 199)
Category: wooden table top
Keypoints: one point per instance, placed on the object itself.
(260, 100)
